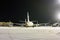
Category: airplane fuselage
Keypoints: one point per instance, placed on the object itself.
(29, 23)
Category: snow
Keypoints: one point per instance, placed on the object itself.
(29, 33)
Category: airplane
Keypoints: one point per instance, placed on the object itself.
(28, 23)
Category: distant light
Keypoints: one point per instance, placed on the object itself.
(58, 15)
(57, 1)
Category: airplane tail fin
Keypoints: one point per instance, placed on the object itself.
(28, 16)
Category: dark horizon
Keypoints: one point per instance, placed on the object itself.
(16, 10)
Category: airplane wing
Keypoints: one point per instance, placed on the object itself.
(21, 21)
(33, 21)
(19, 24)
(24, 21)
(36, 25)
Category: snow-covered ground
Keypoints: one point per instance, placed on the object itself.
(29, 33)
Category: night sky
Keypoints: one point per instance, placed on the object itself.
(16, 10)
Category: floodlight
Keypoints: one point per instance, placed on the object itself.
(58, 15)
(57, 1)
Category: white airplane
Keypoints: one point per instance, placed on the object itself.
(28, 23)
